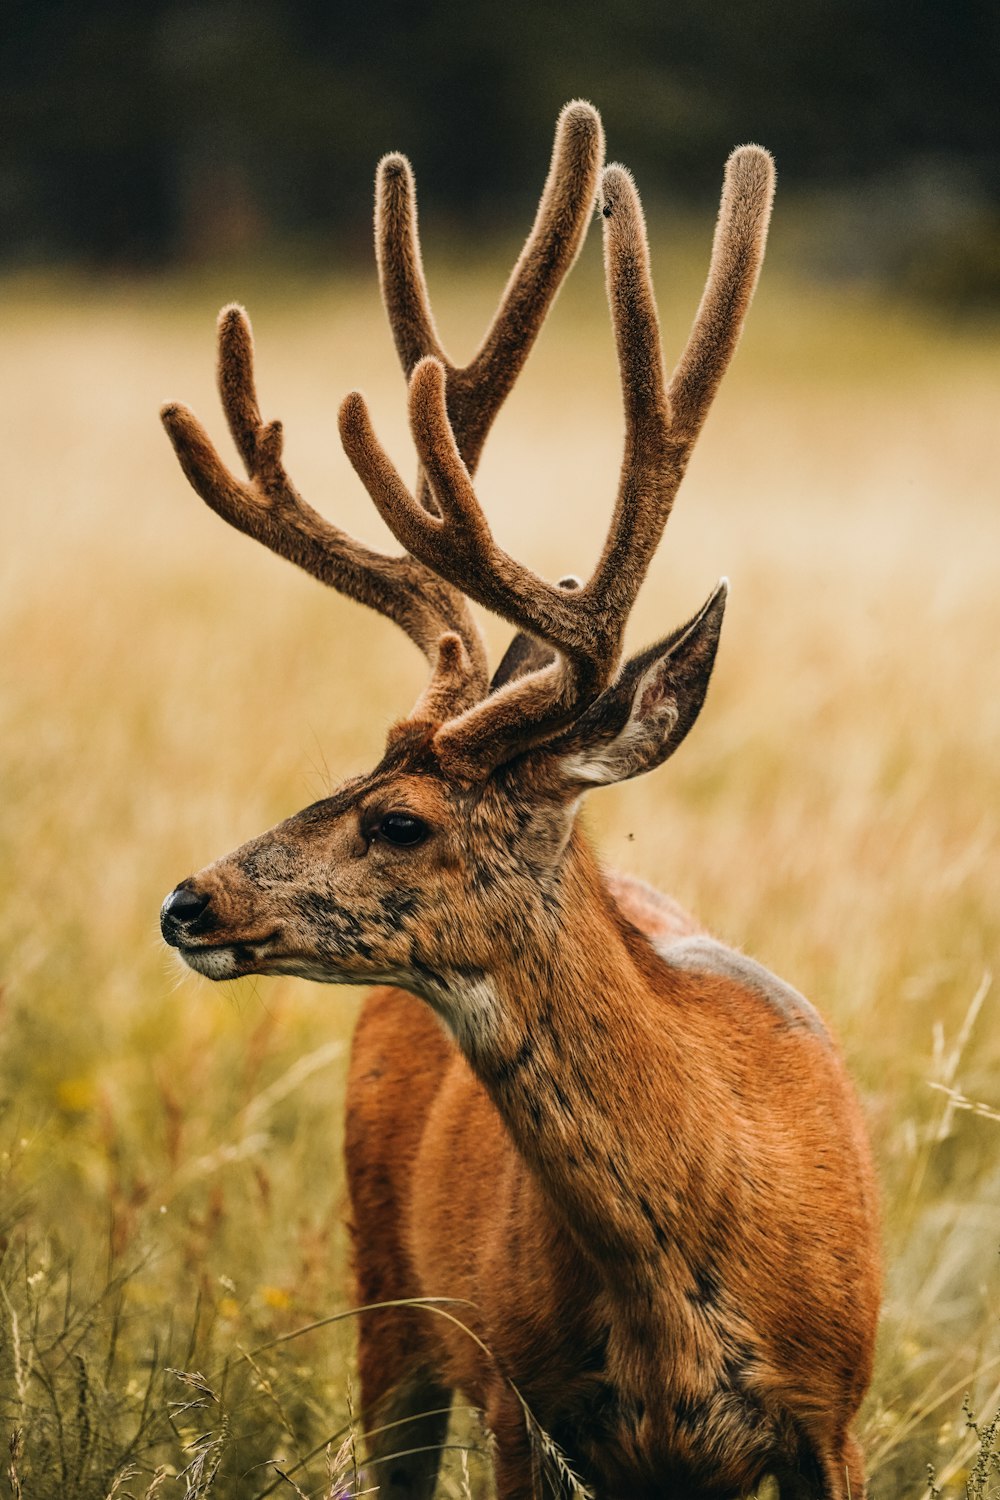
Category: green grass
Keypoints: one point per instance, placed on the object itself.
(170, 1152)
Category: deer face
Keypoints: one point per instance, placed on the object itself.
(418, 876)
(402, 876)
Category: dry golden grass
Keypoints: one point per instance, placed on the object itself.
(171, 689)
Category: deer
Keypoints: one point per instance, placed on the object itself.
(609, 1177)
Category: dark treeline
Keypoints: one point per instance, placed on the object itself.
(143, 132)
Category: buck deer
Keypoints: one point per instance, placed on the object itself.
(631, 1151)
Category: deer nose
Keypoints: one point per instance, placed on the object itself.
(179, 913)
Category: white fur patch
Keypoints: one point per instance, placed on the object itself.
(593, 768)
(705, 955)
(469, 1008)
(648, 726)
(474, 1017)
(214, 963)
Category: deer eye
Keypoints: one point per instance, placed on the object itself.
(403, 830)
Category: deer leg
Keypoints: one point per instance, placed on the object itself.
(403, 1394)
(517, 1468)
(405, 1429)
(846, 1470)
(797, 1483)
(825, 1471)
(404, 1402)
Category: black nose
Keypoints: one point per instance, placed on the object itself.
(181, 910)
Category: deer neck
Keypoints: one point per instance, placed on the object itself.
(573, 1043)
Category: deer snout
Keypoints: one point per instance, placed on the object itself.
(184, 914)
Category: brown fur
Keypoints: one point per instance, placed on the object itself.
(567, 1282)
(646, 1176)
(632, 1155)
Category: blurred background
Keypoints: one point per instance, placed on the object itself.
(172, 1241)
(142, 136)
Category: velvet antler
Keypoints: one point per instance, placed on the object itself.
(584, 626)
(267, 506)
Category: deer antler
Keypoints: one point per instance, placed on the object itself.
(585, 626)
(475, 392)
(269, 508)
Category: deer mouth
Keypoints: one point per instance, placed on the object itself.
(229, 960)
(239, 957)
(190, 923)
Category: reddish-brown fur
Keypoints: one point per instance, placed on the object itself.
(630, 1157)
(577, 1303)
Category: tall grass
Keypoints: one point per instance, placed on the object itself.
(172, 1192)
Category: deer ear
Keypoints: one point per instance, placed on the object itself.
(643, 717)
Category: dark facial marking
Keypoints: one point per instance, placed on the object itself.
(338, 932)
(564, 1103)
(272, 862)
(396, 906)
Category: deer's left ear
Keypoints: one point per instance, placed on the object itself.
(642, 718)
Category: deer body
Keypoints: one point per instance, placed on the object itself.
(650, 1282)
(631, 1155)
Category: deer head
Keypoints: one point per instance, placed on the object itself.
(460, 842)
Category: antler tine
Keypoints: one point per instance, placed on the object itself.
(476, 391)
(549, 252)
(270, 510)
(649, 476)
(737, 256)
(458, 543)
(400, 264)
(661, 426)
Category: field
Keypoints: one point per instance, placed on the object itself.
(172, 1190)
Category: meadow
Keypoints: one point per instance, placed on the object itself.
(174, 1260)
